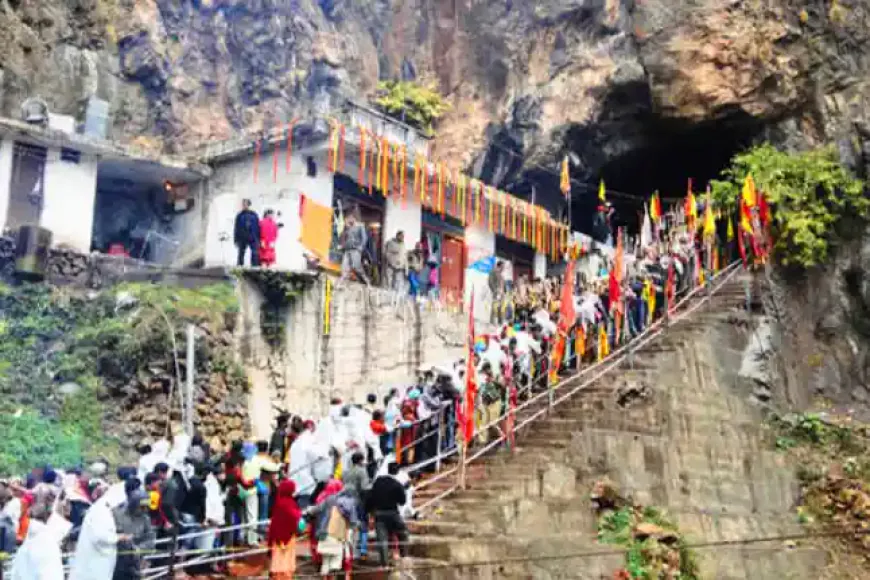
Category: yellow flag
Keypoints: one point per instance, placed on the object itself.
(601, 192)
(650, 300)
(603, 346)
(566, 178)
(730, 229)
(749, 196)
(709, 220)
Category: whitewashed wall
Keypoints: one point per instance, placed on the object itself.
(480, 244)
(70, 190)
(234, 181)
(539, 268)
(6, 147)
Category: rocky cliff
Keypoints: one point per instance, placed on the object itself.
(644, 93)
(631, 84)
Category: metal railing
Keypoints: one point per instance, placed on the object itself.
(554, 395)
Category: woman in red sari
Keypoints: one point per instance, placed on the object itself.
(282, 532)
(268, 236)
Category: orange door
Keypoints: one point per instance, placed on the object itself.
(452, 268)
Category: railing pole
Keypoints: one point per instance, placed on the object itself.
(463, 453)
(172, 549)
(440, 440)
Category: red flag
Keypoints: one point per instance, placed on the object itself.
(613, 291)
(470, 378)
(740, 247)
(763, 209)
(567, 318)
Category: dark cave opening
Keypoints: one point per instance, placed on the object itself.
(661, 157)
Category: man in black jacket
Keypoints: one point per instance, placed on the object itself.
(385, 498)
(246, 234)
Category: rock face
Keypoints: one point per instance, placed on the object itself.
(526, 80)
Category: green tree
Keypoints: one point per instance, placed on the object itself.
(418, 105)
(812, 193)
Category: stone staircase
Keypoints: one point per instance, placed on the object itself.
(693, 447)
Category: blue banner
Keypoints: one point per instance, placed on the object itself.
(484, 265)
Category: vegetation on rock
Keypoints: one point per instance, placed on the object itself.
(72, 365)
(813, 194)
(418, 105)
(654, 546)
(833, 465)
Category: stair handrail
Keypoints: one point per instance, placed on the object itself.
(604, 366)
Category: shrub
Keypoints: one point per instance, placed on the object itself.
(415, 104)
(812, 194)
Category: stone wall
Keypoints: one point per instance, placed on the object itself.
(374, 341)
(675, 430)
(95, 271)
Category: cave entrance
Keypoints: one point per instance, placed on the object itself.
(663, 158)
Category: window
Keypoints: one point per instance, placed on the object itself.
(27, 185)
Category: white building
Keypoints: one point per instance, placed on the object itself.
(95, 196)
(78, 187)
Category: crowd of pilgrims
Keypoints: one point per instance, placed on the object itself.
(332, 480)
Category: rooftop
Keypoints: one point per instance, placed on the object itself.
(185, 167)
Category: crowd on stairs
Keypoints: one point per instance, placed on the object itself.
(193, 505)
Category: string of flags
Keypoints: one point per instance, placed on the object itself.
(383, 165)
(448, 192)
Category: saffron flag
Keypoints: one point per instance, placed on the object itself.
(709, 220)
(749, 195)
(602, 192)
(655, 207)
(470, 378)
(603, 345)
(567, 318)
(580, 344)
(566, 178)
(691, 208)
